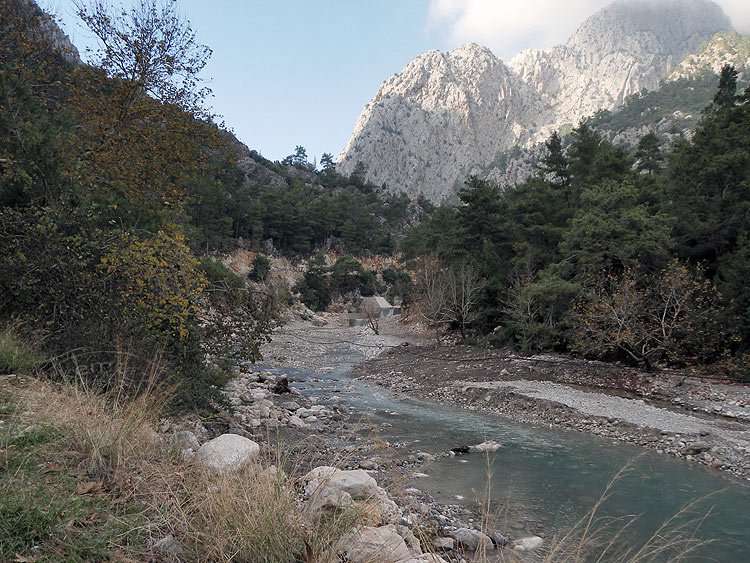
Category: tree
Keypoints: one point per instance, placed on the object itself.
(649, 153)
(327, 163)
(447, 295)
(314, 288)
(554, 162)
(675, 315)
(299, 156)
(150, 49)
(726, 96)
(142, 135)
(463, 288)
(613, 230)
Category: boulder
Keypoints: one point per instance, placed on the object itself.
(328, 499)
(356, 482)
(281, 386)
(427, 558)
(228, 452)
(367, 544)
(446, 544)
(471, 539)
(498, 540)
(297, 422)
(488, 446)
(184, 440)
(529, 543)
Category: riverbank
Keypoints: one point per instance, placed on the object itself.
(698, 420)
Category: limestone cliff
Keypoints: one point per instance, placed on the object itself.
(447, 115)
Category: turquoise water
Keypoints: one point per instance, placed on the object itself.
(553, 476)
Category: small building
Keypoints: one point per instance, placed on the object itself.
(376, 307)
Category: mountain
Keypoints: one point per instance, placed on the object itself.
(440, 115)
(448, 115)
(724, 48)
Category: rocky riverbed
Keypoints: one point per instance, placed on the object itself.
(701, 421)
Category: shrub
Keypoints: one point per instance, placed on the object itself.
(261, 269)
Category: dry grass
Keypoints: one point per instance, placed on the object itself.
(601, 539)
(110, 440)
(148, 491)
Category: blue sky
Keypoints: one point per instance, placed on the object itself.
(298, 72)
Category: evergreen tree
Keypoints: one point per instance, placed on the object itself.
(649, 153)
(554, 162)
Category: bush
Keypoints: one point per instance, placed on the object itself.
(261, 269)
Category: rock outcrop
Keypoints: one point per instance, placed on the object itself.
(724, 48)
(448, 115)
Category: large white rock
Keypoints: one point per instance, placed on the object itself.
(488, 446)
(367, 545)
(529, 543)
(426, 558)
(357, 483)
(228, 452)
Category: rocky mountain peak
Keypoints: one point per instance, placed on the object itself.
(447, 115)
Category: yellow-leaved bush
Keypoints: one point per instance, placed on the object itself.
(156, 280)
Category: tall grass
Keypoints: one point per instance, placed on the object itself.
(16, 355)
(602, 539)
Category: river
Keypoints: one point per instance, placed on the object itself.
(552, 476)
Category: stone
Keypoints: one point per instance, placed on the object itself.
(426, 558)
(297, 422)
(228, 452)
(328, 499)
(498, 540)
(488, 446)
(168, 545)
(281, 386)
(318, 321)
(357, 482)
(444, 543)
(368, 544)
(471, 539)
(184, 440)
(529, 543)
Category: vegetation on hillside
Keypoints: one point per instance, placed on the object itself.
(609, 253)
(98, 169)
(114, 179)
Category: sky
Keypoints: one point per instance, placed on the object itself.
(296, 72)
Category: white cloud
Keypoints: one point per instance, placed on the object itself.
(508, 26)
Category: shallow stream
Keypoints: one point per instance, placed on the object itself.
(548, 478)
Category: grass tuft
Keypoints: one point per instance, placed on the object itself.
(16, 356)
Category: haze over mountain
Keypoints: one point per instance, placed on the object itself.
(447, 115)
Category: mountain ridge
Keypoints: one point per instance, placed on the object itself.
(426, 130)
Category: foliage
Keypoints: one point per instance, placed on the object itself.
(313, 287)
(581, 257)
(675, 316)
(155, 280)
(98, 167)
(447, 295)
(261, 269)
(149, 49)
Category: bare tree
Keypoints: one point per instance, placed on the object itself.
(463, 289)
(447, 295)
